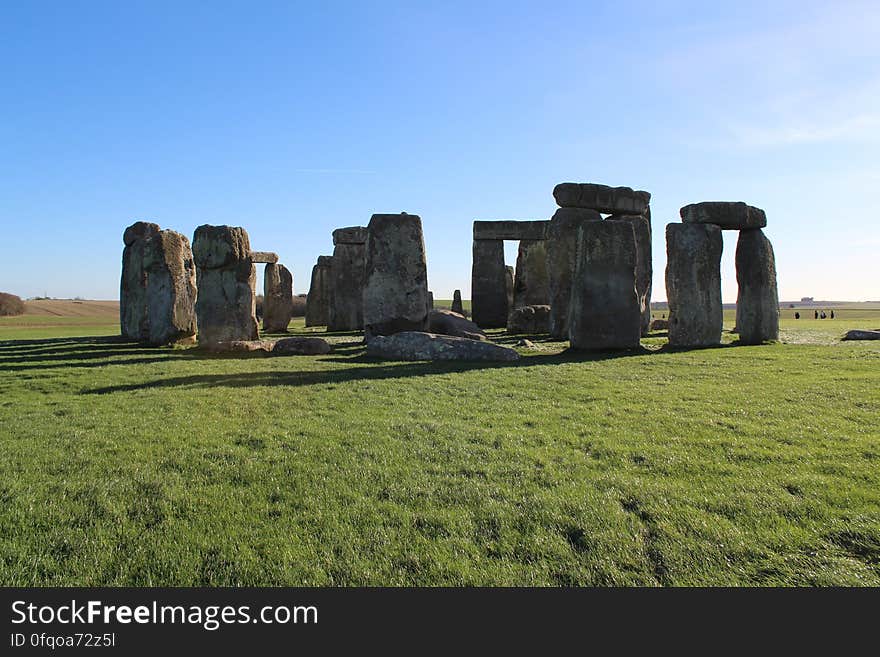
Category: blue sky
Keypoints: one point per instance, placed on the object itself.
(292, 119)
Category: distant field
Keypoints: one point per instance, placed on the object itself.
(125, 465)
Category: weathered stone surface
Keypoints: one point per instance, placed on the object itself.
(254, 347)
(693, 284)
(396, 275)
(347, 287)
(531, 285)
(415, 345)
(660, 325)
(350, 235)
(266, 257)
(757, 302)
(277, 298)
(139, 230)
(529, 319)
(605, 311)
(730, 215)
(602, 198)
(457, 306)
(446, 322)
(226, 280)
(508, 287)
(301, 347)
(430, 301)
(489, 292)
(857, 334)
(320, 294)
(158, 286)
(510, 230)
(644, 261)
(561, 258)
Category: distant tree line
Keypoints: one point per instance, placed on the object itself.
(10, 305)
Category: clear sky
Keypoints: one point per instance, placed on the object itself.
(292, 119)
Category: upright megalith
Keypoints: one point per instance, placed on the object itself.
(508, 286)
(644, 268)
(531, 286)
(757, 302)
(561, 258)
(489, 291)
(396, 275)
(604, 312)
(347, 275)
(226, 284)
(320, 297)
(133, 284)
(693, 284)
(158, 289)
(457, 306)
(277, 298)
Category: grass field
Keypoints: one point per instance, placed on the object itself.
(124, 465)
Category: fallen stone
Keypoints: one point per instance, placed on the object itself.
(757, 302)
(529, 319)
(605, 311)
(395, 275)
(693, 284)
(301, 346)
(660, 325)
(264, 257)
(447, 322)
(241, 346)
(415, 345)
(602, 198)
(730, 215)
(859, 334)
(526, 344)
(561, 252)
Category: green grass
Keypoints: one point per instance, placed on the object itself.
(124, 465)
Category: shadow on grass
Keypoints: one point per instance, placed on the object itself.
(372, 369)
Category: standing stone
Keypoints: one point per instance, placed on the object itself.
(396, 279)
(693, 284)
(277, 298)
(561, 258)
(508, 285)
(430, 301)
(532, 284)
(457, 306)
(604, 312)
(226, 280)
(158, 292)
(644, 269)
(757, 302)
(347, 309)
(320, 290)
(396, 275)
(489, 292)
(133, 283)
